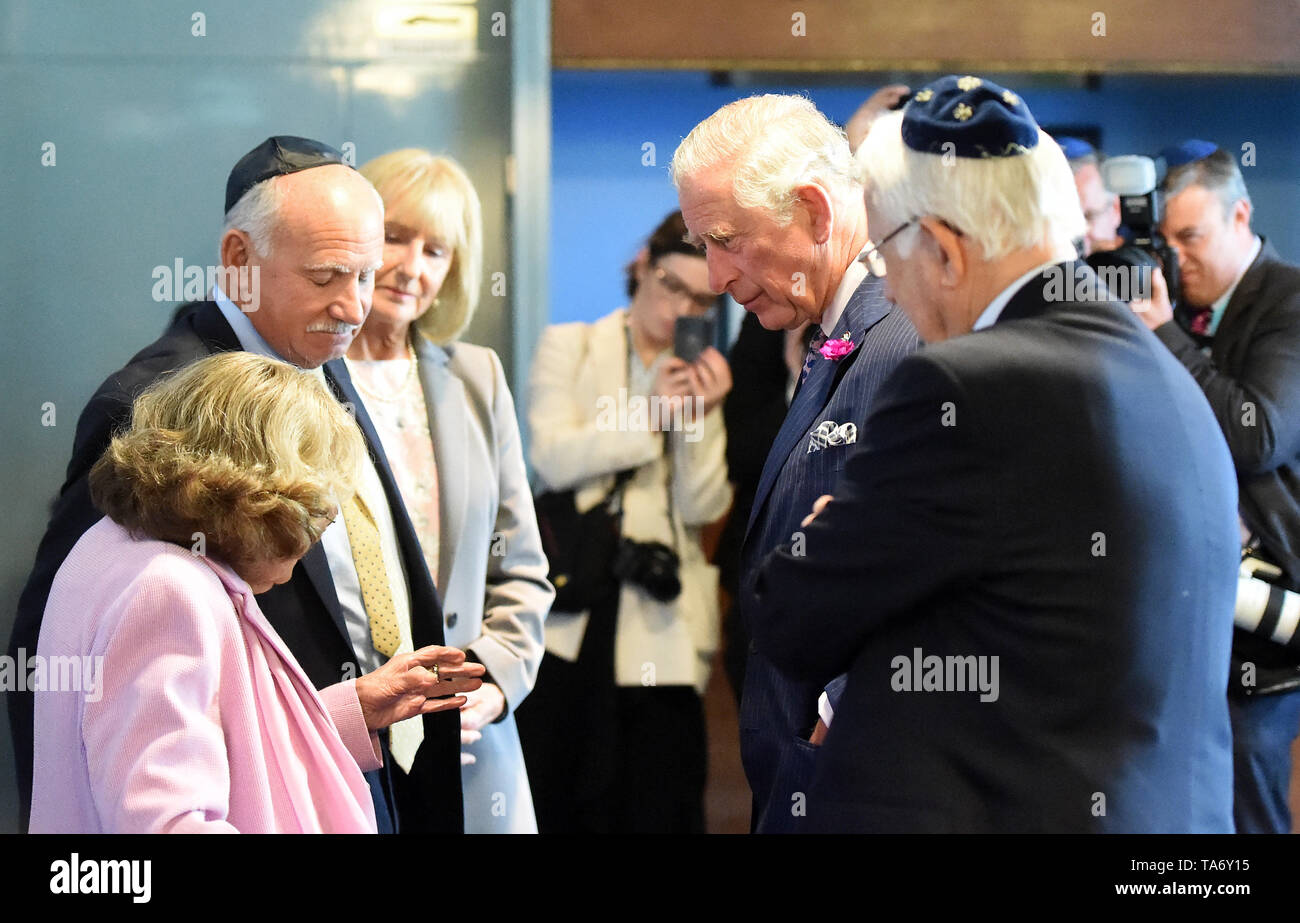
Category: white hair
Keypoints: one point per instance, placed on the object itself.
(257, 214)
(1002, 203)
(772, 144)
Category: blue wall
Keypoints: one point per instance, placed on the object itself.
(605, 201)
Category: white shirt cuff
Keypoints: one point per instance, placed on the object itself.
(824, 710)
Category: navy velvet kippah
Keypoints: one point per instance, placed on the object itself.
(975, 116)
(277, 156)
(1074, 148)
(1186, 151)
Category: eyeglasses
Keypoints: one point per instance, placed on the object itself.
(869, 257)
(702, 301)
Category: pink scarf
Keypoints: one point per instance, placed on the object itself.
(317, 786)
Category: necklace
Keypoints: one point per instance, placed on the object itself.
(401, 390)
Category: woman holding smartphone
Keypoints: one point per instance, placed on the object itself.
(614, 730)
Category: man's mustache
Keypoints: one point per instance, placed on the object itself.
(332, 327)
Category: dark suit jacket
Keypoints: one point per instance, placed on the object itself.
(754, 410)
(1052, 492)
(1252, 380)
(305, 611)
(776, 713)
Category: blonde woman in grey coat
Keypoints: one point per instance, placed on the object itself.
(447, 422)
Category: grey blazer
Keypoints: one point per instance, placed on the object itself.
(491, 569)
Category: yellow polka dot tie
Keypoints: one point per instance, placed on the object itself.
(363, 535)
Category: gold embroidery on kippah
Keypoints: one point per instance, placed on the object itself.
(1010, 149)
(924, 96)
(962, 112)
(968, 83)
(1011, 99)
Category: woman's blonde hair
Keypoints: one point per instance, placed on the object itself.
(434, 195)
(249, 452)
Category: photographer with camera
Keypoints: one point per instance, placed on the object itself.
(1240, 304)
(1100, 205)
(628, 441)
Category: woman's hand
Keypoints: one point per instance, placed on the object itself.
(673, 380)
(710, 378)
(407, 685)
(672, 385)
(483, 706)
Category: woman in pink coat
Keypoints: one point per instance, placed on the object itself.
(190, 714)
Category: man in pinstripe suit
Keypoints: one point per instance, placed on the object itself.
(1034, 616)
(767, 190)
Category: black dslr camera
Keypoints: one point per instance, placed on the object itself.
(652, 566)
(1133, 179)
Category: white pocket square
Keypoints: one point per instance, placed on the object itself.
(829, 433)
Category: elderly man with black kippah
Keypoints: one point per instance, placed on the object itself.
(1034, 615)
(310, 230)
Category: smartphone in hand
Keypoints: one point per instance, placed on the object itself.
(690, 337)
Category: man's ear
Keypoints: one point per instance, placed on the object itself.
(236, 249)
(1240, 217)
(821, 212)
(948, 250)
(236, 253)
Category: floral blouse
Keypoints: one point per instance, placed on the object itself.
(394, 399)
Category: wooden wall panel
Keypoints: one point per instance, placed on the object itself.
(1213, 36)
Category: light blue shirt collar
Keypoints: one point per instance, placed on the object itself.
(1222, 304)
(245, 332)
(989, 316)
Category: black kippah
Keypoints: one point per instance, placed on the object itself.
(277, 156)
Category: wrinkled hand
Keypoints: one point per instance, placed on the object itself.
(819, 733)
(877, 103)
(1155, 310)
(818, 505)
(710, 378)
(405, 686)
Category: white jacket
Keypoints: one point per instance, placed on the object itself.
(575, 367)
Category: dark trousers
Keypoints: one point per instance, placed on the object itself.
(1262, 730)
(607, 759)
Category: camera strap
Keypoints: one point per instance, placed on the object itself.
(668, 481)
(624, 476)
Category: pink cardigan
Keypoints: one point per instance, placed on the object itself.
(202, 720)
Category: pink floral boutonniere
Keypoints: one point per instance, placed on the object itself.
(837, 349)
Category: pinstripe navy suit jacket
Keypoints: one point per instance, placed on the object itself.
(776, 713)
